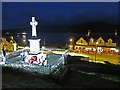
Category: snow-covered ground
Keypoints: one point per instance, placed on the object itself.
(53, 62)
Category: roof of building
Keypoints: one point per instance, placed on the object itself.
(8, 38)
(105, 36)
(83, 36)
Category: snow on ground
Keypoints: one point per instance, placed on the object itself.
(53, 62)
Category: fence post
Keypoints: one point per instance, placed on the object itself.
(50, 69)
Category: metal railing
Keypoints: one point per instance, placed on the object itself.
(14, 53)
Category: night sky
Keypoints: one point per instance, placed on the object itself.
(63, 20)
(60, 14)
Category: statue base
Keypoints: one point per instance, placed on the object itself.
(36, 58)
(34, 45)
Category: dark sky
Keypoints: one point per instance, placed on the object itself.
(54, 16)
(18, 15)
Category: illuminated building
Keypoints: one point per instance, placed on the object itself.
(107, 43)
(9, 43)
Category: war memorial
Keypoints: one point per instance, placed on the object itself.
(31, 58)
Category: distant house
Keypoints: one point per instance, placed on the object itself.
(81, 41)
(8, 42)
(97, 42)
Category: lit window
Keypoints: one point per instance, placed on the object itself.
(94, 49)
(92, 41)
(110, 41)
(81, 41)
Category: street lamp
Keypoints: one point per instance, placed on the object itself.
(71, 44)
(96, 50)
(71, 40)
(24, 40)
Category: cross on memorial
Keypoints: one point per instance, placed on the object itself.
(33, 24)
